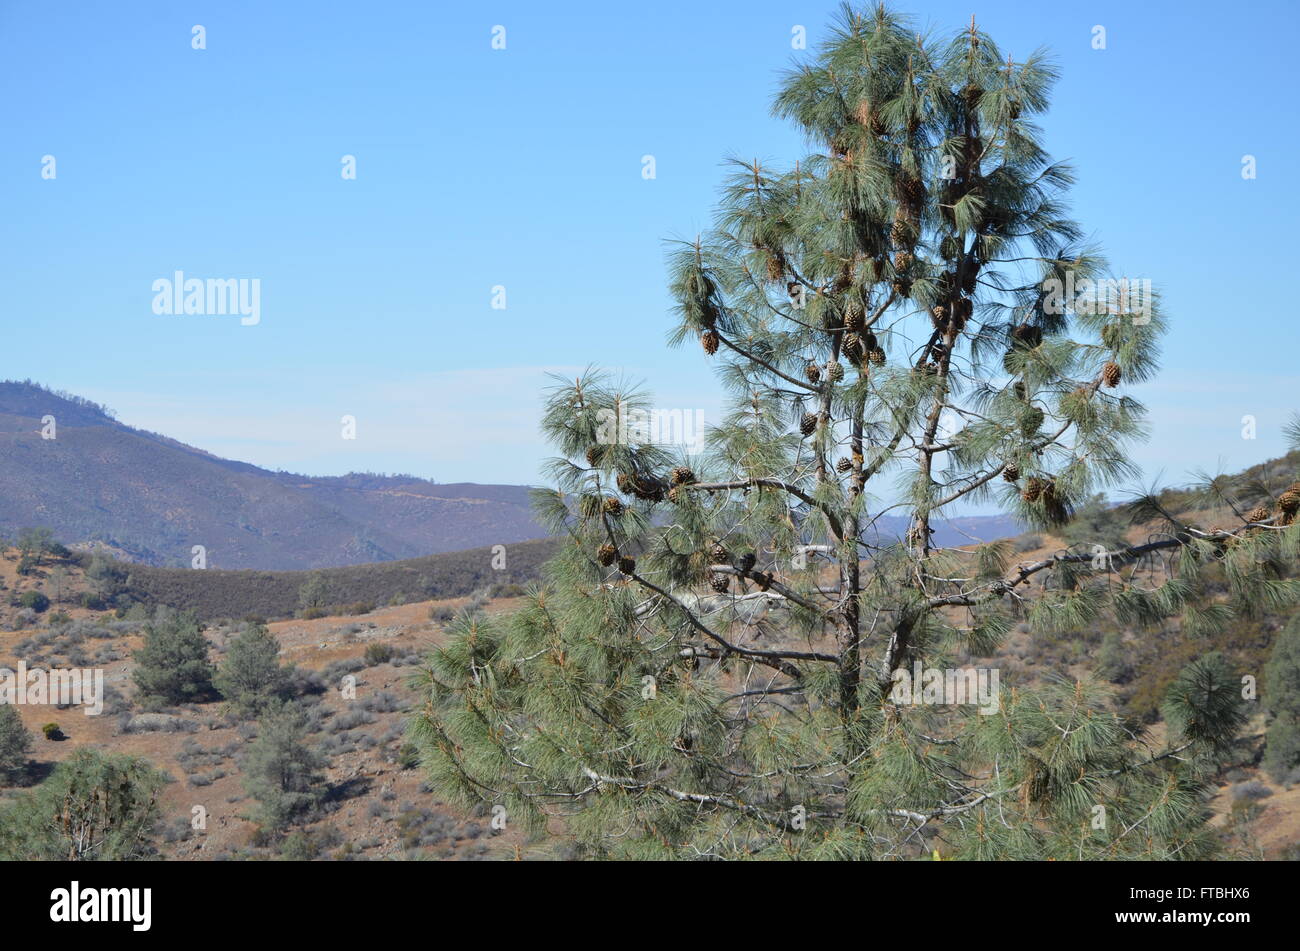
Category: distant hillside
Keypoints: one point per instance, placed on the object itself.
(277, 594)
(151, 499)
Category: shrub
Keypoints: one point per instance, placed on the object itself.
(34, 600)
(1253, 790)
(377, 654)
(52, 731)
(408, 757)
(1029, 543)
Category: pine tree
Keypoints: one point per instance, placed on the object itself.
(15, 744)
(251, 677)
(281, 771)
(173, 667)
(1282, 701)
(918, 259)
(93, 807)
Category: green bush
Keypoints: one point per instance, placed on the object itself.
(52, 731)
(34, 600)
(377, 654)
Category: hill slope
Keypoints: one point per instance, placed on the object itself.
(152, 499)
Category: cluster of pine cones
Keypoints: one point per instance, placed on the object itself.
(1288, 505)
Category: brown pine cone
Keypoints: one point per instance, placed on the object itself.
(1258, 514)
(606, 554)
(682, 475)
(1110, 374)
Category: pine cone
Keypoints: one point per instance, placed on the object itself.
(1258, 514)
(902, 287)
(1111, 335)
(813, 372)
(606, 554)
(937, 314)
(651, 490)
(877, 356)
(853, 315)
(710, 341)
(1031, 421)
(775, 265)
(681, 475)
(903, 260)
(627, 565)
(808, 425)
(674, 494)
(612, 506)
(844, 465)
(1033, 490)
(593, 455)
(1027, 336)
(1110, 374)
(746, 562)
(853, 347)
(834, 371)
(1011, 473)
(719, 583)
(1289, 501)
(719, 554)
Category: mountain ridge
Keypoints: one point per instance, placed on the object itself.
(154, 498)
(149, 498)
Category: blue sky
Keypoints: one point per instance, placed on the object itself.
(522, 167)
